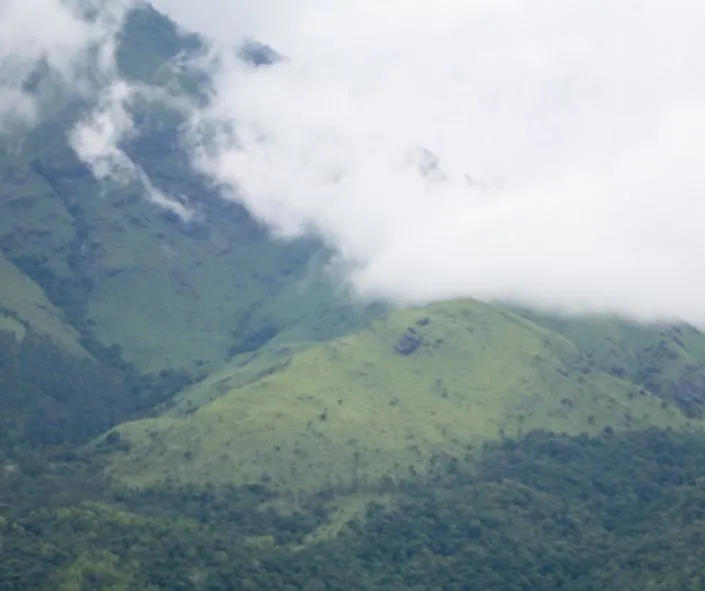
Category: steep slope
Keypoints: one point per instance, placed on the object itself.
(667, 359)
(108, 304)
(24, 306)
(170, 295)
(417, 385)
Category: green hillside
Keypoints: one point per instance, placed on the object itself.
(668, 360)
(171, 295)
(24, 306)
(541, 512)
(417, 385)
(123, 303)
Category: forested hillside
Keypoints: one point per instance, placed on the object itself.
(539, 512)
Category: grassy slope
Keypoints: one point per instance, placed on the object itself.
(242, 370)
(667, 359)
(354, 409)
(24, 305)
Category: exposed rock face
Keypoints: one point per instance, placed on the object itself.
(409, 342)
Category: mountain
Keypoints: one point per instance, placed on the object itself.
(245, 321)
(119, 295)
(209, 393)
(250, 324)
(170, 295)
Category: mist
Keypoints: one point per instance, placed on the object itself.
(52, 41)
(544, 153)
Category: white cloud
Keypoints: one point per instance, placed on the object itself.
(52, 35)
(98, 137)
(586, 118)
(569, 136)
(73, 44)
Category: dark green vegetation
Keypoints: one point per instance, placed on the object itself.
(541, 512)
(196, 406)
(51, 397)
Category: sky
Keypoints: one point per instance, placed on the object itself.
(548, 153)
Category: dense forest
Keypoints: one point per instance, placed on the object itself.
(546, 511)
(50, 397)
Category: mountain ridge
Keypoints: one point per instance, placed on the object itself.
(368, 406)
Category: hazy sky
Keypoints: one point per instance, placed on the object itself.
(569, 137)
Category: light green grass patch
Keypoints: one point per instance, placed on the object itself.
(355, 411)
(25, 305)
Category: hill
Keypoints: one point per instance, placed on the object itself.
(379, 404)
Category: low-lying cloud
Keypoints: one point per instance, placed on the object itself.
(548, 153)
(55, 39)
(569, 138)
(69, 47)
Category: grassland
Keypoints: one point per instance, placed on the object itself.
(355, 410)
(24, 305)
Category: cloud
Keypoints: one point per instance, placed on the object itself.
(569, 138)
(98, 137)
(68, 47)
(48, 37)
(547, 153)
